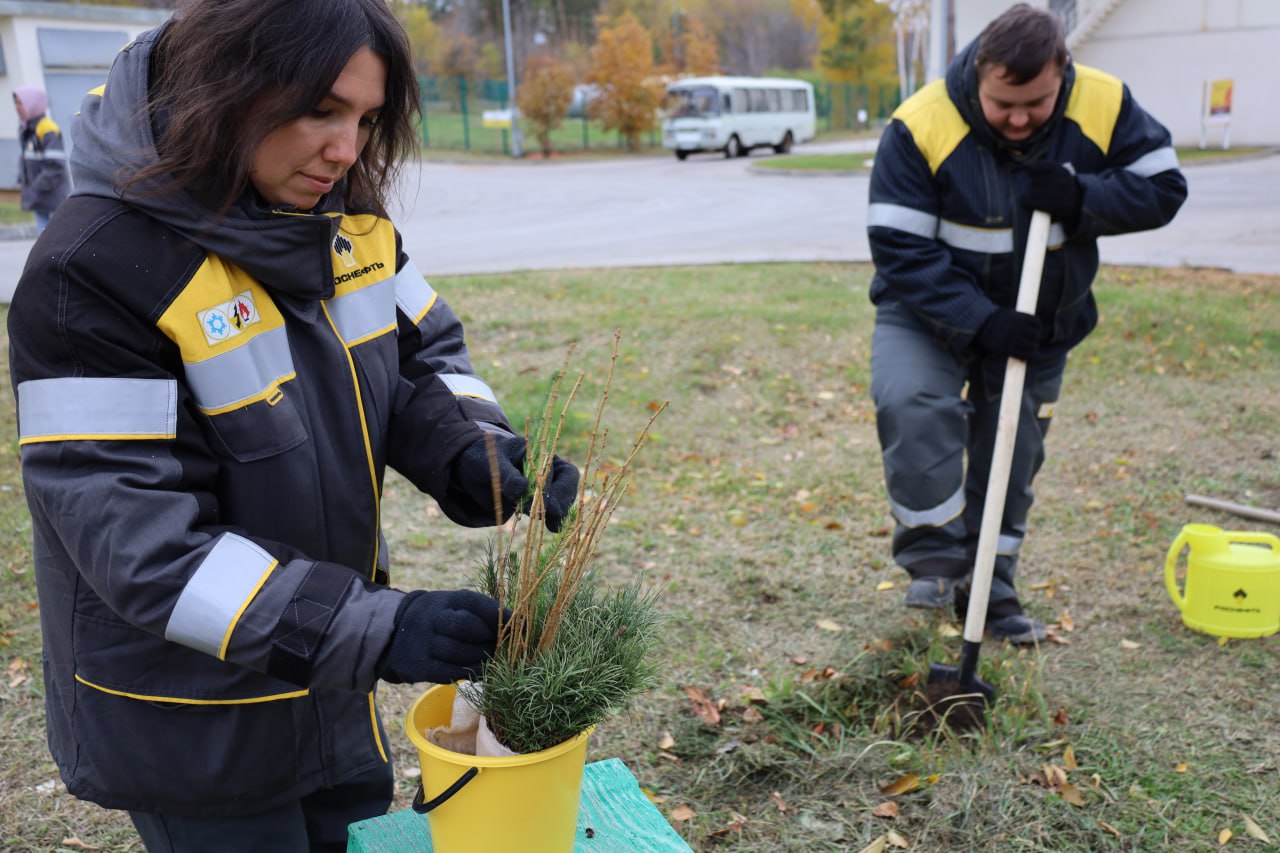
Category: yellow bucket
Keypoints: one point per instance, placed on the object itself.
(478, 804)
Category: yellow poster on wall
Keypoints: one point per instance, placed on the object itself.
(1220, 99)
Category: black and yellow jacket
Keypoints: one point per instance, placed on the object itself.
(205, 416)
(947, 232)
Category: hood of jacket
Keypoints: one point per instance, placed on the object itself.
(113, 135)
(35, 103)
(962, 86)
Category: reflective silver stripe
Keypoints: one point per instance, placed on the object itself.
(1057, 235)
(84, 407)
(217, 593)
(992, 241)
(365, 312)
(463, 385)
(933, 517)
(902, 218)
(1008, 545)
(44, 155)
(241, 373)
(414, 296)
(1154, 162)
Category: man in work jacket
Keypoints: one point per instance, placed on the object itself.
(42, 171)
(1015, 126)
(207, 405)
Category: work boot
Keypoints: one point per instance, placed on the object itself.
(1017, 628)
(931, 593)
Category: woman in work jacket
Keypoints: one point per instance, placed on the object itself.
(1015, 126)
(217, 348)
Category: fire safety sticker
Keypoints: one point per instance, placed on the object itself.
(225, 321)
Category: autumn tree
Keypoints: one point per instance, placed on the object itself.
(424, 35)
(545, 92)
(622, 67)
(698, 52)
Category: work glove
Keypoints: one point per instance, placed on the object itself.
(469, 498)
(440, 636)
(1010, 333)
(1053, 188)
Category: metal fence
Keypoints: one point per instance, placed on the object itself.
(453, 110)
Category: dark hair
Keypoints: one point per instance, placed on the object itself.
(226, 73)
(1023, 40)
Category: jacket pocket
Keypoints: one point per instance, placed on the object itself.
(259, 430)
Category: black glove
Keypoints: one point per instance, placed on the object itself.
(469, 499)
(1010, 333)
(440, 636)
(1053, 188)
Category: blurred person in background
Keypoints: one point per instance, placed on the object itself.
(42, 169)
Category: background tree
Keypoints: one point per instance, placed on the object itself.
(698, 52)
(424, 35)
(622, 67)
(545, 92)
(758, 35)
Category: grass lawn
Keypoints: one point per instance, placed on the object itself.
(852, 162)
(759, 509)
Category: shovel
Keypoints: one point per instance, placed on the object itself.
(949, 686)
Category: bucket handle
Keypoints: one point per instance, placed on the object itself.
(423, 807)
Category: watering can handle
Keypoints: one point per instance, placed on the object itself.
(1170, 570)
(1250, 538)
(422, 807)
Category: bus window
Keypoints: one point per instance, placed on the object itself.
(726, 104)
(759, 103)
(692, 102)
(772, 97)
(741, 104)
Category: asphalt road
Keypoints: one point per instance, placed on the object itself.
(497, 217)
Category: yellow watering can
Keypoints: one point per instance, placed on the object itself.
(1232, 585)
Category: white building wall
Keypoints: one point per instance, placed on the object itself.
(1167, 49)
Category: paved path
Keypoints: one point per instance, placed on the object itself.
(497, 217)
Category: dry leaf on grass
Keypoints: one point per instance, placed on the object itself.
(1254, 830)
(876, 846)
(828, 625)
(901, 785)
(1069, 757)
(778, 801)
(1130, 644)
(683, 813)
(896, 840)
(667, 741)
(703, 708)
(1224, 837)
(1071, 794)
(883, 586)
(1109, 828)
(78, 844)
(888, 809)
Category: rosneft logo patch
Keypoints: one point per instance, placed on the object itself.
(223, 322)
(342, 248)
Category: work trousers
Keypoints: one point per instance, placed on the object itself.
(933, 410)
(316, 823)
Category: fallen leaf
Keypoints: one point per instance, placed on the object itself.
(1065, 622)
(754, 695)
(1071, 794)
(888, 809)
(1224, 837)
(1069, 757)
(1130, 644)
(735, 824)
(752, 715)
(667, 741)
(799, 660)
(901, 785)
(653, 798)
(1060, 717)
(884, 585)
(1254, 830)
(674, 759)
(1181, 768)
(683, 813)
(910, 681)
(778, 801)
(703, 708)
(828, 625)
(76, 842)
(876, 846)
(1109, 828)
(948, 629)
(896, 840)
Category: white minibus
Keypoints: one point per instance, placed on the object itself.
(736, 114)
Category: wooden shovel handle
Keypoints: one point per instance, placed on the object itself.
(1015, 374)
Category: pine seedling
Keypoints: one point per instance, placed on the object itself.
(570, 653)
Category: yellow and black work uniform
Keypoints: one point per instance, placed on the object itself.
(206, 409)
(947, 235)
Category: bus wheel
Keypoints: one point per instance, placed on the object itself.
(733, 148)
(681, 154)
(785, 145)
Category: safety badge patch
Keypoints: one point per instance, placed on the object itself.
(225, 321)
